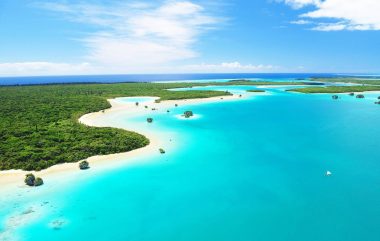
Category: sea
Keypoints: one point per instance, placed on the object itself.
(253, 169)
(32, 80)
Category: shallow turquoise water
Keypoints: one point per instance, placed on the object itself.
(252, 169)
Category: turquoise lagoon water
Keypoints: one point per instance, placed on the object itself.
(252, 169)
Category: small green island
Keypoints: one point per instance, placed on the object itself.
(256, 91)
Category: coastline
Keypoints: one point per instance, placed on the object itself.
(11, 179)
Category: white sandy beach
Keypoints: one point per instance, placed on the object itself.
(15, 178)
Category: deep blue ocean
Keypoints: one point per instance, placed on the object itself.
(246, 170)
(145, 78)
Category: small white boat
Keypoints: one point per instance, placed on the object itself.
(328, 173)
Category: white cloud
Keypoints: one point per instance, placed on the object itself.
(301, 22)
(348, 14)
(49, 68)
(131, 35)
(301, 3)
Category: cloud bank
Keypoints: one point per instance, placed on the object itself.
(135, 34)
(337, 15)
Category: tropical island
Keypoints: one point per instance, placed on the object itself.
(41, 126)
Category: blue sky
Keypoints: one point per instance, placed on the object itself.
(124, 37)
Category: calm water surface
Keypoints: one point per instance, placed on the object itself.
(252, 169)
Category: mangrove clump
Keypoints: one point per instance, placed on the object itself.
(31, 180)
(188, 114)
(360, 96)
(83, 165)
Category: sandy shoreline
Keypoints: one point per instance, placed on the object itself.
(15, 178)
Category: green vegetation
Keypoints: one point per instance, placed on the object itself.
(83, 165)
(337, 89)
(188, 114)
(31, 180)
(256, 91)
(374, 81)
(162, 151)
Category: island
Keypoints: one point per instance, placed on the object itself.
(41, 127)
